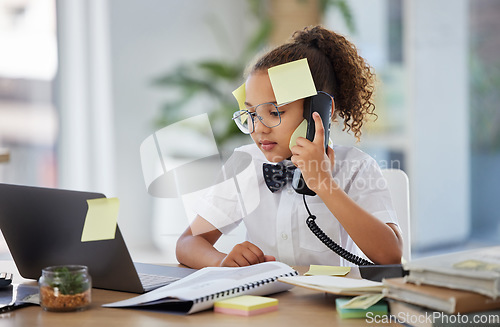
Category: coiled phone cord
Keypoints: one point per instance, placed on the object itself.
(331, 244)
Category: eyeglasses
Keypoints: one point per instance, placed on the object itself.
(267, 113)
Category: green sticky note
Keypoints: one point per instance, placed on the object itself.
(100, 222)
(379, 309)
(292, 81)
(240, 95)
(327, 270)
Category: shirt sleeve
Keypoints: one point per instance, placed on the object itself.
(220, 206)
(368, 188)
(236, 195)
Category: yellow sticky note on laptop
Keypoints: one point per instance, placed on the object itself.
(327, 270)
(240, 95)
(100, 222)
(292, 81)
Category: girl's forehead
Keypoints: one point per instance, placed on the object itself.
(259, 89)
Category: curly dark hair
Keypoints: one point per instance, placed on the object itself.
(337, 69)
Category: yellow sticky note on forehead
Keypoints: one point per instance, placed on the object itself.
(240, 95)
(292, 81)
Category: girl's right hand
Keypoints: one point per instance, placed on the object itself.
(245, 254)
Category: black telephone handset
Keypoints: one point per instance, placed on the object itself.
(322, 104)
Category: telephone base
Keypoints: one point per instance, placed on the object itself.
(378, 272)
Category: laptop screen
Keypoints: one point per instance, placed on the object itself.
(43, 227)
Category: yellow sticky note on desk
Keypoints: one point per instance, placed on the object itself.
(327, 270)
(292, 81)
(246, 302)
(246, 305)
(100, 222)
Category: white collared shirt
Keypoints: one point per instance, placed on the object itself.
(275, 222)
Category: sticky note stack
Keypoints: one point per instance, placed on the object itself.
(378, 309)
(246, 305)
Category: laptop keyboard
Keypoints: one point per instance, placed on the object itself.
(154, 281)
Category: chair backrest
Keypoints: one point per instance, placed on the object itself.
(398, 184)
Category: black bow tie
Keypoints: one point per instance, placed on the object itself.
(276, 176)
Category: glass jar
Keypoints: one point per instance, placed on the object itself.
(65, 288)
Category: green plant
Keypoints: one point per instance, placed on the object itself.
(345, 10)
(214, 79)
(68, 282)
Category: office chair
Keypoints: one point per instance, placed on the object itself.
(398, 184)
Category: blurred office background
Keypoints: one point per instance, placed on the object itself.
(84, 82)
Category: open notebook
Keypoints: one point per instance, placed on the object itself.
(200, 290)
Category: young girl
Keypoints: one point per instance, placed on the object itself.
(353, 206)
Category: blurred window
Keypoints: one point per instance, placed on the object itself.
(28, 64)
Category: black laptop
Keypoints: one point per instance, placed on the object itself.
(43, 227)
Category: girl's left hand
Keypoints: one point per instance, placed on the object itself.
(310, 157)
